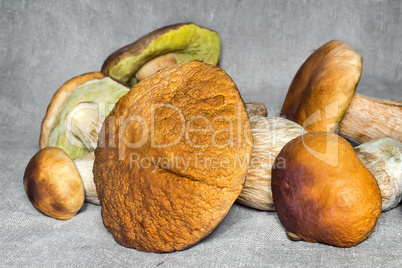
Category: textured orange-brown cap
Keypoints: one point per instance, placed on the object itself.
(323, 193)
(172, 158)
(323, 87)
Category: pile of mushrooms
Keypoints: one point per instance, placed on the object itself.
(99, 142)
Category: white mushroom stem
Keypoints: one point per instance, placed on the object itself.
(270, 134)
(84, 166)
(84, 122)
(155, 65)
(383, 158)
(371, 118)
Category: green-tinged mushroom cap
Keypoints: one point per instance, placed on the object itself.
(160, 48)
(77, 111)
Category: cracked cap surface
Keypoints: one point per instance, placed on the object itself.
(169, 176)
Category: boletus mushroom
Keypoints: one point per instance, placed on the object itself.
(53, 184)
(324, 193)
(270, 134)
(163, 47)
(172, 157)
(322, 97)
(383, 158)
(77, 111)
(57, 185)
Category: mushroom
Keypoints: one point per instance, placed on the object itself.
(324, 193)
(323, 92)
(169, 165)
(53, 184)
(57, 185)
(383, 158)
(163, 47)
(77, 111)
(269, 135)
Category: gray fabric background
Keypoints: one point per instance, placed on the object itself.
(45, 43)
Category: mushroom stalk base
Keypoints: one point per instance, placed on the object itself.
(371, 118)
(84, 166)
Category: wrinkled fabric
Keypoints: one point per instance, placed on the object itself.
(45, 43)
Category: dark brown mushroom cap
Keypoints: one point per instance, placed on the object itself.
(187, 40)
(53, 184)
(323, 87)
(172, 158)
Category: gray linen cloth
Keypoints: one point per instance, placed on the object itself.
(45, 43)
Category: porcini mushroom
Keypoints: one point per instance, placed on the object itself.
(324, 193)
(383, 158)
(57, 185)
(163, 47)
(53, 184)
(77, 111)
(270, 134)
(322, 95)
(169, 165)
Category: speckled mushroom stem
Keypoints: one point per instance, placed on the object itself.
(84, 166)
(371, 118)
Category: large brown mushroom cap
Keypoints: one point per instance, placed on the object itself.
(323, 87)
(324, 193)
(53, 184)
(183, 42)
(172, 158)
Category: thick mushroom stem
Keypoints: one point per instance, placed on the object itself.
(84, 122)
(155, 65)
(383, 158)
(84, 166)
(371, 118)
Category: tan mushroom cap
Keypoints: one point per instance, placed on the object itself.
(323, 87)
(53, 184)
(172, 158)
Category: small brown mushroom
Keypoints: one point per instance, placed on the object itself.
(383, 158)
(53, 184)
(161, 48)
(324, 193)
(322, 94)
